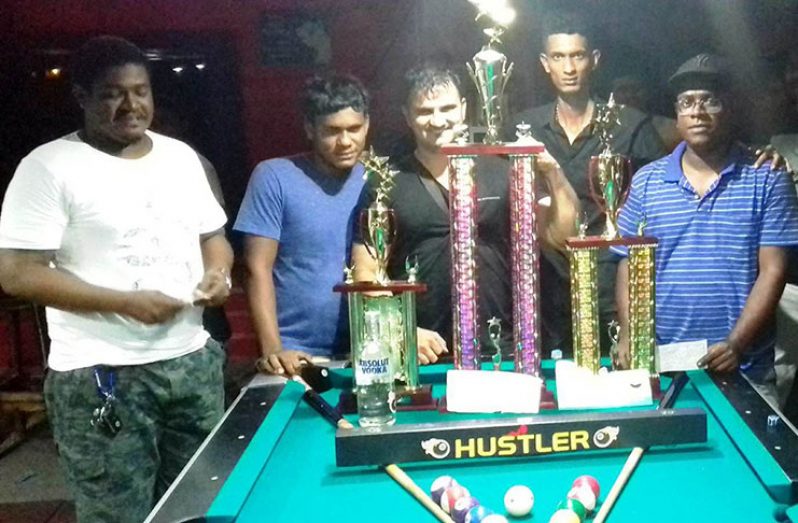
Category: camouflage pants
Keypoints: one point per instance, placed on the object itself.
(166, 409)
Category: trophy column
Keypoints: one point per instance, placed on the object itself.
(463, 239)
(583, 253)
(524, 264)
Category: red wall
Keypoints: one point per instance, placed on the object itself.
(268, 96)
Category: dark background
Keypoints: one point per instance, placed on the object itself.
(241, 107)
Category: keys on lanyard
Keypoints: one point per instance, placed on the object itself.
(104, 418)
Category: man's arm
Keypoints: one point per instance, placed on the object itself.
(217, 259)
(430, 344)
(757, 313)
(622, 305)
(259, 256)
(28, 274)
(557, 221)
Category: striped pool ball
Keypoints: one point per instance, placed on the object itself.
(450, 497)
(461, 508)
(589, 480)
(477, 514)
(440, 484)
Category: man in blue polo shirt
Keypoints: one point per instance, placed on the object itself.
(722, 226)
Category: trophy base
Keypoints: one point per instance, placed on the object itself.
(419, 398)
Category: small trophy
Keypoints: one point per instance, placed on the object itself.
(382, 313)
(609, 176)
(608, 172)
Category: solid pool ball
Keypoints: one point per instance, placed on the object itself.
(477, 514)
(461, 508)
(590, 480)
(564, 516)
(575, 506)
(518, 501)
(585, 495)
(450, 497)
(440, 484)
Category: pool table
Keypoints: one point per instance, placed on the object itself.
(272, 458)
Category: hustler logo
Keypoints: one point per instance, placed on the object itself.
(520, 443)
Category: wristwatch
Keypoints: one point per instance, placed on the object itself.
(228, 279)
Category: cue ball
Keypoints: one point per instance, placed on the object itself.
(584, 494)
(564, 516)
(518, 501)
(440, 484)
(450, 497)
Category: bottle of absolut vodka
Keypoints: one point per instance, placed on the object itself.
(374, 375)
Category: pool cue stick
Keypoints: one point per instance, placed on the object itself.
(678, 383)
(329, 413)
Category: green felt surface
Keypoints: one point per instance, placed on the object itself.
(296, 479)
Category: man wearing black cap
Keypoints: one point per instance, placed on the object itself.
(723, 224)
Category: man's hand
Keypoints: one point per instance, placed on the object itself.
(624, 357)
(288, 362)
(721, 357)
(546, 165)
(769, 152)
(430, 346)
(151, 307)
(214, 288)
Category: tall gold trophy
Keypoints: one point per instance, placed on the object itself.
(382, 312)
(609, 175)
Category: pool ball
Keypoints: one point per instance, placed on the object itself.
(461, 508)
(477, 514)
(576, 506)
(564, 516)
(494, 518)
(518, 501)
(585, 495)
(590, 480)
(450, 497)
(440, 484)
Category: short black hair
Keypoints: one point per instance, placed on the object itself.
(565, 21)
(426, 77)
(99, 54)
(328, 94)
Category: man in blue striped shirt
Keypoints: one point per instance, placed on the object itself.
(722, 226)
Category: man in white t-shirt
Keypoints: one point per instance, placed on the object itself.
(115, 229)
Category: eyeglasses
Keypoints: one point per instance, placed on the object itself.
(710, 104)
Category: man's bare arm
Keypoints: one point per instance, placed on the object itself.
(259, 256)
(557, 221)
(217, 259)
(29, 275)
(759, 310)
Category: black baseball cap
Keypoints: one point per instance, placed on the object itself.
(704, 71)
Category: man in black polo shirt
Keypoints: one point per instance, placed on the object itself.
(564, 126)
(434, 108)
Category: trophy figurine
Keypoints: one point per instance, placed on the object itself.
(608, 172)
(378, 221)
(490, 73)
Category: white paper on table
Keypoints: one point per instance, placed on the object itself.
(579, 388)
(679, 356)
(492, 391)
